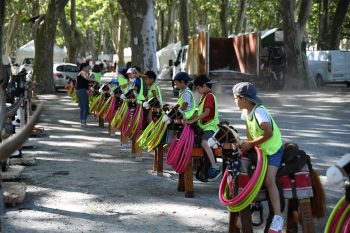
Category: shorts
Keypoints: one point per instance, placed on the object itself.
(276, 159)
(207, 134)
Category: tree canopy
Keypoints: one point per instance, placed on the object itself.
(89, 28)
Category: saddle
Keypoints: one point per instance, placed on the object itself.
(293, 160)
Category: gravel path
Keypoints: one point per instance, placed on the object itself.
(84, 182)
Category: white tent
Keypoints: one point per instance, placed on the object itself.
(27, 52)
(167, 53)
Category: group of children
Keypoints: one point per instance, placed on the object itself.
(261, 129)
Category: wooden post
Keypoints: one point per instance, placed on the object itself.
(181, 183)
(123, 139)
(110, 130)
(292, 219)
(155, 160)
(306, 219)
(159, 150)
(188, 178)
(246, 220)
(232, 228)
(101, 122)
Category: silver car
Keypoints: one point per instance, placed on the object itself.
(60, 73)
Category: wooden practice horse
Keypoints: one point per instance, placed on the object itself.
(299, 182)
(185, 183)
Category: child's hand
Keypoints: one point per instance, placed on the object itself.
(247, 145)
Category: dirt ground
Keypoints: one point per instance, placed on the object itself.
(84, 182)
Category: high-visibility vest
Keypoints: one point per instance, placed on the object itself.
(274, 143)
(213, 123)
(155, 87)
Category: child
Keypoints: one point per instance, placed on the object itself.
(185, 100)
(262, 131)
(122, 78)
(137, 85)
(207, 119)
(153, 87)
(96, 74)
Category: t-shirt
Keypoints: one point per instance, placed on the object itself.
(82, 83)
(209, 103)
(260, 114)
(187, 98)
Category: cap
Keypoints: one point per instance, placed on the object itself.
(151, 74)
(114, 81)
(201, 79)
(247, 90)
(129, 71)
(121, 68)
(182, 76)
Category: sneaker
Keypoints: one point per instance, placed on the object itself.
(138, 159)
(214, 173)
(277, 224)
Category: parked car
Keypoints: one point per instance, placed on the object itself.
(330, 66)
(60, 73)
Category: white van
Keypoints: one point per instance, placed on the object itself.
(331, 66)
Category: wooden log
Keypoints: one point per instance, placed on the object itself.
(306, 219)
(188, 179)
(13, 192)
(26, 160)
(13, 172)
(232, 227)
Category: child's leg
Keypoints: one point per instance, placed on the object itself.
(209, 152)
(270, 183)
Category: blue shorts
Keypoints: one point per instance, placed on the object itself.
(276, 159)
(208, 134)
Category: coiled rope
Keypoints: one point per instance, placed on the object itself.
(250, 191)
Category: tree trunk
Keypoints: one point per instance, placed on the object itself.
(323, 24)
(71, 34)
(240, 16)
(141, 19)
(35, 11)
(170, 34)
(121, 38)
(114, 25)
(223, 17)
(44, 39)
(297, 75)
(338, 20)
(184, 27)
(12, 30)
(2, 79)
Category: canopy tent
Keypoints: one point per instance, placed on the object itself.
(167, 53)
(27, 52)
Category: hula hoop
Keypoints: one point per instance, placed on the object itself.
(249, 193)
(340, 213)
(179, 153)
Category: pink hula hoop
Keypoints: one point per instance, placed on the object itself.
(247, 189)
